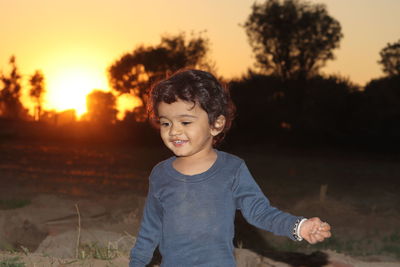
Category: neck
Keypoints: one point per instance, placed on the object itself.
(195, 164)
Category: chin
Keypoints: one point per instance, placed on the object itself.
(177, 152)
(180, 154)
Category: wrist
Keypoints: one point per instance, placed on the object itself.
(297, 229)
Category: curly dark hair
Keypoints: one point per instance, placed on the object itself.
(198, 87)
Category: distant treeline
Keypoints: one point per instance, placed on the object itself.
(320, 110)
(317, 110)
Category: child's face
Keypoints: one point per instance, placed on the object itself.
(185, 129)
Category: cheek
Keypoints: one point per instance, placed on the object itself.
(163, 134)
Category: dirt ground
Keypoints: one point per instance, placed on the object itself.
(55, 196)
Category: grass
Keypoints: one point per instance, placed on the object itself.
(364, 246)
(387, 245)
(11, 262)
(392, 244)
(9, 204)
(94, 251)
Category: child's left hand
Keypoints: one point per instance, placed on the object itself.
(314, 230)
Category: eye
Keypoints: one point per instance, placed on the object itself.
(186, 123)
(164, 124)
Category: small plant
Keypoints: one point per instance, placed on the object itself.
(8, 204)
(11, 262)
(97, 252)
(25, 250)
(392, 244)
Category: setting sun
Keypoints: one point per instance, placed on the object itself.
(68, 88)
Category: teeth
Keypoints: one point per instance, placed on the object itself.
(178, 142)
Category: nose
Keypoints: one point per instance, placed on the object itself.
(175, 130)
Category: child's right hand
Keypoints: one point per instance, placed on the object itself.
(314, 230)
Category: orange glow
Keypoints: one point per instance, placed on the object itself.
(126, 103)
(74, 42)
(69, 86)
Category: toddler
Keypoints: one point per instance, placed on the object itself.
(193, 196)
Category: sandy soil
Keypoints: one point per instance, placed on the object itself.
(49, 229)
(93, 196)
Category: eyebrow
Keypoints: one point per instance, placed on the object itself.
(181, 116)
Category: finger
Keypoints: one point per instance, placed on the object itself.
(315, 238)
(326, 234)
(319, 237)
(316, 220)
(325, 226)
(313, 228)
(311, 239)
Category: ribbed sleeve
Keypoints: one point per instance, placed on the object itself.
(256, 208)
(150, 232)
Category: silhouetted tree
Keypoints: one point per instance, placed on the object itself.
(101, 107)
(37, 91)
(134, 72)
(325, 107)
(390, 59)
(379, 115)
(10, 104)
(292, 39)
(258, 100)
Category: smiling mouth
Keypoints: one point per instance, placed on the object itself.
(179, 142)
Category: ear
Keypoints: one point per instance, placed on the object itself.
(218, 125)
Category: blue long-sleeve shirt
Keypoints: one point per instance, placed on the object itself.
(191, 217)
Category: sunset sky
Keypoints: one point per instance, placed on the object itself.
(74, 41)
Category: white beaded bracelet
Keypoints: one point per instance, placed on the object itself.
(296, 229)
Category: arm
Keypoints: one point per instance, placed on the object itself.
(256, 208)
(149, 234)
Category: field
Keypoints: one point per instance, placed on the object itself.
(50, 189)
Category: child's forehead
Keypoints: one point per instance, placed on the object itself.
(179, 108)
(178, 104)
